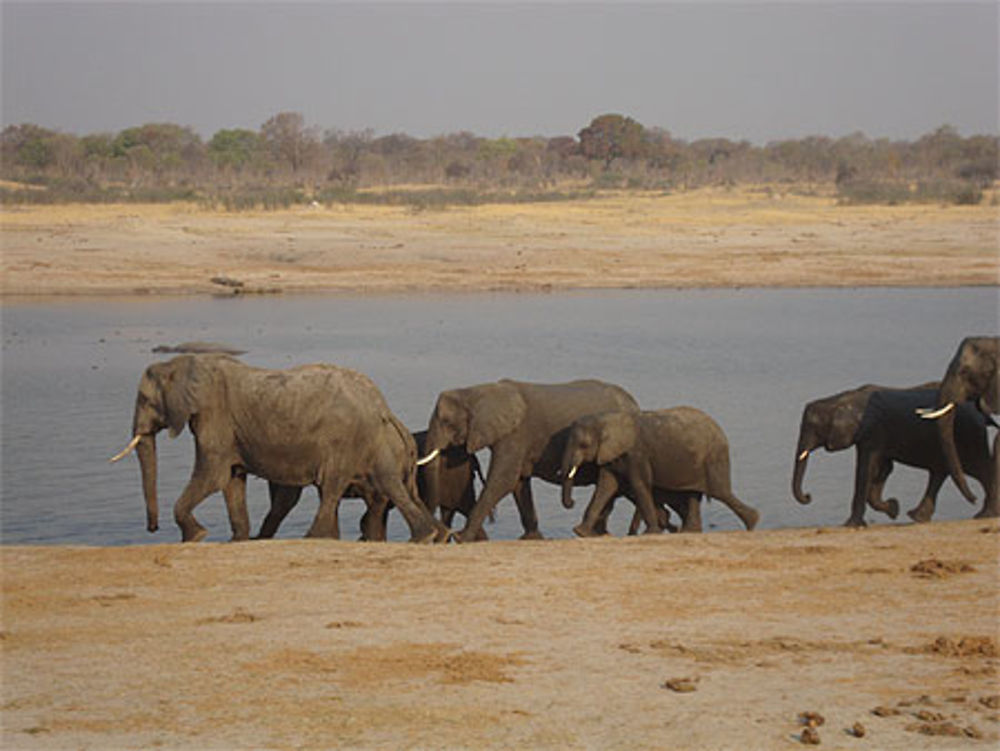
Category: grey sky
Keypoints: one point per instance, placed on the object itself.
(759, 71)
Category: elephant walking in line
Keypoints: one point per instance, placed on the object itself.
(525, 426)
(971, 376)
(892, 430)
(832, 422)
(679, 449)
(311, 425)
(457, 494)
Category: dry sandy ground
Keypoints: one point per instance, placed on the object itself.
(714, 641)
(712, 237)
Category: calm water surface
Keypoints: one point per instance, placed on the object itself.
(749, 358)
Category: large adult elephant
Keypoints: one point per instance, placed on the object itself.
(311, 425)
(971, 375)
(891, 430)
(525, 427)
(832, 423)
(678, 449)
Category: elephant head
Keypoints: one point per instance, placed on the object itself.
(473, 418)
(971, 375)
(830, 423)
(169, 395)
(598, 439)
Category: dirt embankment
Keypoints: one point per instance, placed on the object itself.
(705, 238)
(715, 641)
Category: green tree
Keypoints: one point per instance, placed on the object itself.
(610, 137)
(234, 148)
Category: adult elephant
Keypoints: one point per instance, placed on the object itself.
(525, 427)
(678, 449)
(311, 425)
(891, 430)
(971, 375)
(832, 423)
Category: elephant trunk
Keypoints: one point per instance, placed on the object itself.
(801, 461)
(146, 451)
(946, 433)
(567, 492)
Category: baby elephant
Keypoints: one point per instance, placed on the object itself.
(647, 454)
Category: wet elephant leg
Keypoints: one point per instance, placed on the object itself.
(692, 517)
(283, 499)
(204, 481)
(865, 467)
(526, 508)
(924, 510)
(326, 523)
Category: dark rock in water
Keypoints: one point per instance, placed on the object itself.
(199, 348)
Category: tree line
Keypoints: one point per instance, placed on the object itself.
(285, 161)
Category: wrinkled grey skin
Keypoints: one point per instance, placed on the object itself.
(832, 423)
(312, 425)
(892, 430)
(679, 449)
(525, 427)
(971, 376)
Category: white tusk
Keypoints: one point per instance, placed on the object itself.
(572, 472)
(933, 414)
(804, 455)
(429, 458)
(128, 449)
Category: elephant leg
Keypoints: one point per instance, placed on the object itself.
(747, 514)
(235, 494)
(633, 527)
(502, 478)
(924, 510)
(326, 523)
(692, 516)
(202, 484)
(526, 509)
(607, 488)
(375, 520)
(989, 476)
(865, 467)
(423, 526)
(601, 525)
(889, 506)
(283, 499)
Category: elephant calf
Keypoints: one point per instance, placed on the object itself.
(648, 453)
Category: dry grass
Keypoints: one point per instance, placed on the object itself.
(712, 237)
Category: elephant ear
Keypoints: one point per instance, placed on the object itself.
(619, 432)
(496, 410)
(844, 425)
(181, 381)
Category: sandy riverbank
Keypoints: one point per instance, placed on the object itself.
(713, 237)
(552, 644)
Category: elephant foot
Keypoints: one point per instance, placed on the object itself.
(195, 534)
(749, 518)
(920, 514)
(855, 523)
(581, 530)
(532, 535)
(465, 536)
(239, 538)
(990, 512)
(442, 533)
(893, 508)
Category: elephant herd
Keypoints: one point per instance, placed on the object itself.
(331, 427)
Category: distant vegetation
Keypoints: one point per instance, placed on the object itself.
(285, 162)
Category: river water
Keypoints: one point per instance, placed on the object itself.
(750, 358)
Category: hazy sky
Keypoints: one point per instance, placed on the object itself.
(753, 70)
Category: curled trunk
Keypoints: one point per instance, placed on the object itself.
(146, 451)
(567, 493)
(946, 432)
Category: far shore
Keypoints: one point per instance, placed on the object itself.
(711, 238)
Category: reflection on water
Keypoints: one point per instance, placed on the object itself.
(749, 358)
